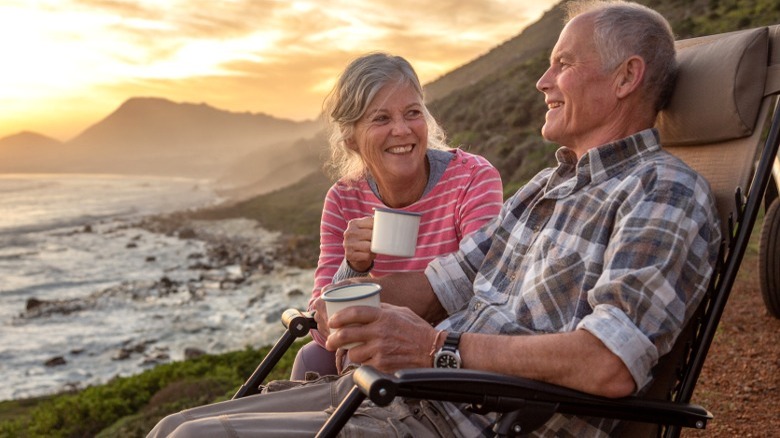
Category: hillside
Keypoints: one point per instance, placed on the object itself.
(538, 36)
(255, 173)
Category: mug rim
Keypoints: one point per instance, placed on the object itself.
(376, 289)
(392, 210)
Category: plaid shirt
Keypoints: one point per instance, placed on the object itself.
(620, 243)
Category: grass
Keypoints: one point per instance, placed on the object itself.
(131, 406)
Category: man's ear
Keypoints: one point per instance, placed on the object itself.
(629, 76)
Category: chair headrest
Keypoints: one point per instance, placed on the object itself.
(719, 88)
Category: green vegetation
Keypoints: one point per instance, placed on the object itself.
(295, 209)
(130, 406)
(498, 117)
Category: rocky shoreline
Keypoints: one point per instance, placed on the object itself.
(235, 251)
(238, 257)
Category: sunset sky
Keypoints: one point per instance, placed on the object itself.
(67, 64)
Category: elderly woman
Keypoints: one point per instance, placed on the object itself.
(388, 151)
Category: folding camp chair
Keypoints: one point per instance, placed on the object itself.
(727, 88)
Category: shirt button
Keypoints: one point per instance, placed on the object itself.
(477, 306)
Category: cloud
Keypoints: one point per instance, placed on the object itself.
(274, 56)
(434, 29)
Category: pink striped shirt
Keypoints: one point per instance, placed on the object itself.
(468, 195)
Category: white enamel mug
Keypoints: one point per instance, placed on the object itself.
(395, 232)
(341, 297)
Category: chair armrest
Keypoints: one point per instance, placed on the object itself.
(298, 322)
(492, 392)
(298, 325)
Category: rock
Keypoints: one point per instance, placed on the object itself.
(122, 354)
(200, 266)
(192, 353)
(36, 308)
(165, 286)
(187, 233)
(55, 361)
(296, 292)
(155, 358)
(234, 272)
(33, 303)
(227, 285)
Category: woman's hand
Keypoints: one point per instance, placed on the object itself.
(357, 243)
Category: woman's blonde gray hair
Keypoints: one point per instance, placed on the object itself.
(347, 103)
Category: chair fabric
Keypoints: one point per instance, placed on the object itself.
(719, 88)
(717, 110)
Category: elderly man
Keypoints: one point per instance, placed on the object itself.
(584, 280)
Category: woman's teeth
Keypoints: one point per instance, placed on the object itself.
(400, 149)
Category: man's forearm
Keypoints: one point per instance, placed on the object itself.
(576, 360)
(412, 290)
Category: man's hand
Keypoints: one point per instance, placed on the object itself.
(357, 243)
(393, 337)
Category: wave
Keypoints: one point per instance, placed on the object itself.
(61, 223)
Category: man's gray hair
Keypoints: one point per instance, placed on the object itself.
(623, 29)
(348, 101)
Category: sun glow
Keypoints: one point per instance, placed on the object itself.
(62, 58)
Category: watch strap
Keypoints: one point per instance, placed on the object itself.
(452, 341)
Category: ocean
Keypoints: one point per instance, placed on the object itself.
(72, 238)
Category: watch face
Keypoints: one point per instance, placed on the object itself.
(447, 359)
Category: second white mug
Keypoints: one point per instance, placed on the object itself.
(395, 232)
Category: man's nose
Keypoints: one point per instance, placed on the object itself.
(543, 84)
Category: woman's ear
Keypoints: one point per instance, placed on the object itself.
(348, 136)
(629, 76)
(351, 144)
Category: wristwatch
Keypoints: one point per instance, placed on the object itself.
(448, 355)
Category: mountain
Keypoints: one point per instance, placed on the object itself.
(29, 152)
(159, 137)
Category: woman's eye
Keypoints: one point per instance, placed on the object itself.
(413, 114)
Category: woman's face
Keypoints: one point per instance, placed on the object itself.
(392, 136)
